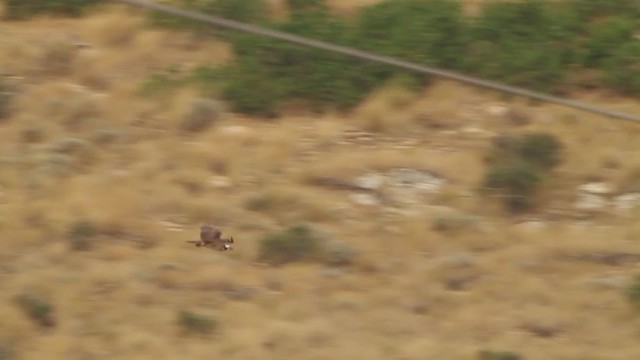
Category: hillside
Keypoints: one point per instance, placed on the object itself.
(108, 168)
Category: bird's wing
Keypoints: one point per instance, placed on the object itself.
(209, 234)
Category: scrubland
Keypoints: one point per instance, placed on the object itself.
(107, 169)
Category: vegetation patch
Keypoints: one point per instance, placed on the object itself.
(195, 323)
(296, 243)
(518, 165)
(38, 309)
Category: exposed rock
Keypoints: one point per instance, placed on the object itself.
(497, 109)
(234, 130)
(587, 201)
(626, 201)
(364, 199)
(459, 260)
(220, 182)
(419, 180)
(371, 181)
(608, 281)
(598, 188)
(531, 225)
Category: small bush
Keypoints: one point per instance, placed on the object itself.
(22, 9)
(7, 351)
(340, 253)
(540, 149)
(518, 165)
(622, 68)
(499, 355)
(297, 243)
(40, 310)
(517, 181)
(306, 5)
(195, 323)
(633, 293)
(81, 235)
(202, 114)
(5, 101)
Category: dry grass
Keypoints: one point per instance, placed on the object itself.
(414, 291)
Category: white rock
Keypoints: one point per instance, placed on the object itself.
(590, 202)
(497, 109)
(370, 181)
(599, 188)
(220, 182)
(234, 130)
(627, 201)
(364, 199)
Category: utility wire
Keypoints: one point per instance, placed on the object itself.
(239, 26)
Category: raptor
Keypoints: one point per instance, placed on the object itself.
(212, 236)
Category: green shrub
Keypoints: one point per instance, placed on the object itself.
(5, 101)
(430, 32)
(7, 351)
(22, 9)
(518, 165)
(195, 323)
(40, 310)
(540, 149)
(81, 235)
(340, 253)
(250, 88)
(297, 243)
(527, 43)
(633, 293)
(499, 355)
(622, 68)
(252, 11)
(294, 72)
(202, 114)
(517, 181)
(605, 37)
(305, 5)
(589, 9)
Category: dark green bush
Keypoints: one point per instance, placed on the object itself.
(7, 351)
(499, 355)
(297, 243)
(605, 37)
(195, 323)
(252, 11)
(81, 235)
(622, 68)
(633, 293)
(5, 101)
(589, 9)
(39, 309)
(251, 88)
(540, 149)
(305, 5)
(518, 165)
(517, 181)
(22, 9)
(430, 32)
(525, 43)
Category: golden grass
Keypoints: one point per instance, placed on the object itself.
(148, 193)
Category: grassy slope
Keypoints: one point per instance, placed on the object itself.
(118, 302)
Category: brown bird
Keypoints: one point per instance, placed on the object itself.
(211, 236)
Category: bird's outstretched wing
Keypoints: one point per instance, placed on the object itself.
(209, 234)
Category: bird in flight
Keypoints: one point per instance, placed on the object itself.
(212, 236)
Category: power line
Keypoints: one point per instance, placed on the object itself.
(239, 26)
